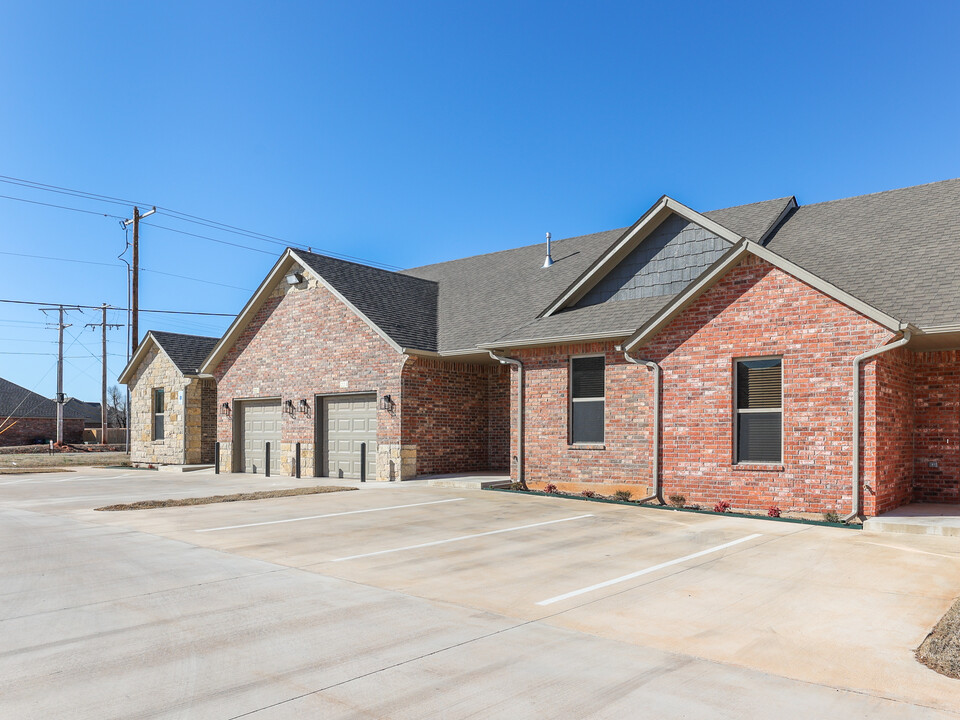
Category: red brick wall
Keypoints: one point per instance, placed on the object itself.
(455, 415)
(306, 343)
(888, 442)
(623, 458)
(937, 436)
(23, 431)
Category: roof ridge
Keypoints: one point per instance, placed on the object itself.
(185, 335)
(879, 192)
(359, 264)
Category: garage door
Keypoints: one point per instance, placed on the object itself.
(259, 424)
(349, 421)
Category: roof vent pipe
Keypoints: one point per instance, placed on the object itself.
(548, 261)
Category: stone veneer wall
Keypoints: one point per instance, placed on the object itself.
(155, 371)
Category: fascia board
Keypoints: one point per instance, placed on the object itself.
(356, 311)
(243, 318)
(629, 240)
(556, 340)
(725, 263)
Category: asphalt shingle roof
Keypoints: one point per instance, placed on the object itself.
(18, 402)
(897, 250)
(751, 221)
(404, 307)
(186, 351)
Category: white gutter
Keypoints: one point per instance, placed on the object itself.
(503, 360)
(857, 361)
(655, 449)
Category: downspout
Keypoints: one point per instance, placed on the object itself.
(503, 360)
(857, 361)
(655, 454)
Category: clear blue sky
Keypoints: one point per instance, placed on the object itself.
(410, 133)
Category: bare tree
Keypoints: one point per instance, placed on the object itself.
(116, 407)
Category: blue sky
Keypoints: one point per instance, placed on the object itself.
(410, 133)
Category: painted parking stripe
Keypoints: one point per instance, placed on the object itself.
(328, 515)
(462, 537)
(650, 569)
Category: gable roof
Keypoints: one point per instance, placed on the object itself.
(87, 410)
(402, 306)
(18, 402)
(186, 352)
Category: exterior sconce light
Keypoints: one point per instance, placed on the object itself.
(288, 407)
(386, 403)
(303, 407)
(225, 409)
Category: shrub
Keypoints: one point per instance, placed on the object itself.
(678, 501)
(517, 485)
(550, 488)
(588, 493)
(774, 511)
(622, 494)
(721, 506)
(831, 517)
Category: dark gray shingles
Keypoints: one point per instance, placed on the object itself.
(89, 411)
(402, 306)
(186, 351)
(18, 402)
(897, 250)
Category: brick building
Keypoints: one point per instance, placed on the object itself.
(27, 418)
(766, 354)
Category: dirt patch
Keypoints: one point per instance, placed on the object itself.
(32, 462)
(150, 504)
(44, 449)
(941, 650)
(31, 471)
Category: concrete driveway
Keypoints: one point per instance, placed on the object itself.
(406, 601)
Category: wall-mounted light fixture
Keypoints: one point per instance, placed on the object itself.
(386, 403)
(294, 278)
(225, 409)
(303, 407)
(288, 407)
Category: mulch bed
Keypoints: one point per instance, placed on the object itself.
(238, 497)
(941, 650)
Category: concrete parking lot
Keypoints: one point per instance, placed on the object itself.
(409, 601)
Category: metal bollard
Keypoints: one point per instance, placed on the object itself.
(267, 461)
(216, 459)
(298, 459)
(363, 462)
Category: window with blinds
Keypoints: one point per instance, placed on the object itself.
(586, 399)
(158, 414)
(759, 421)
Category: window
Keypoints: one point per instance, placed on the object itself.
(586, 399)
(158, 413)
(759, 418)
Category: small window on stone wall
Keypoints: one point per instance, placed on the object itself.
(586, 399)
(759, 403)
(158, 413)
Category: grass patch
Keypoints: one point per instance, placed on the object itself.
(29, 462)
(238, 497)
(31, 471)
(941, 650)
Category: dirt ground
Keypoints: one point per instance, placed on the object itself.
(27, 462)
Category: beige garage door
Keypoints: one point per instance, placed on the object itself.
(349, 421)
(259, 424)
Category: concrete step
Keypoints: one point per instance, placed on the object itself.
(186, 468)
(465, 482)
(919, 519)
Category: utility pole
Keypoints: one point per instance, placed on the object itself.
(135, 277)
(60, 396)
(103, 325)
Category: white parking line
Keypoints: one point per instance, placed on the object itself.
(651, 569)
(462, 537)
(317, 517)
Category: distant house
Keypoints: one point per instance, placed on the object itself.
(173, 410)
(767, 354)
(27, 418)
(88, 410)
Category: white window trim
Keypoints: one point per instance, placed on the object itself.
(571, 400)
(737, 411)
(154, 413)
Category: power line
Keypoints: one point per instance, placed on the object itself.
(61, 207)
(97, 307)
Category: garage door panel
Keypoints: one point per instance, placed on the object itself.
(348, 423)
(260, 424)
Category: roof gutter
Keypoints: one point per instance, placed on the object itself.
(655, 450)
(503, 360)
(855, 415)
